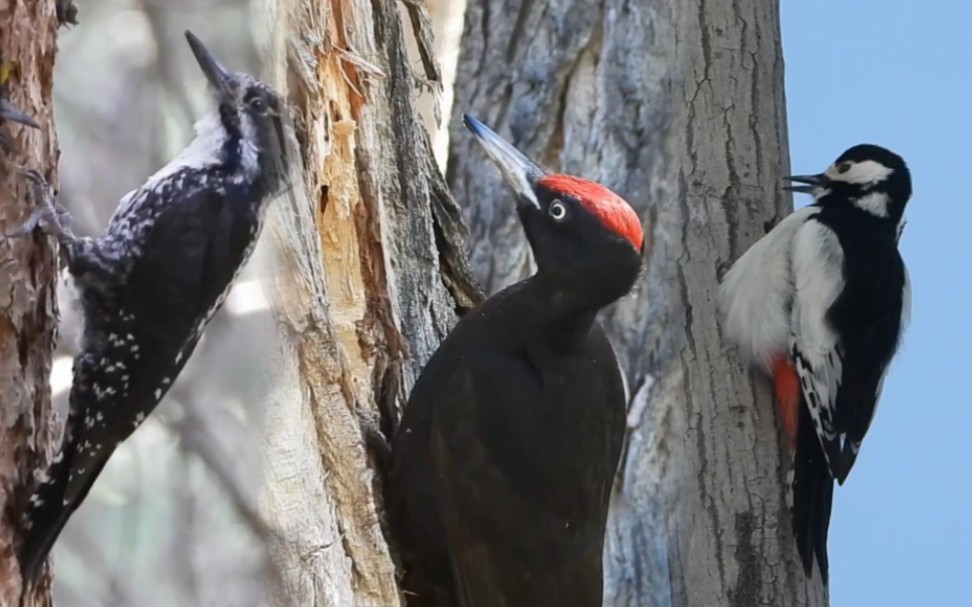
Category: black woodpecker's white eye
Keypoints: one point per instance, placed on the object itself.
(843, 167)
(558, 211)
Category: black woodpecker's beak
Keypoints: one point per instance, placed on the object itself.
(9, 111)
(518, 170)
(812, 181)
(218, 76)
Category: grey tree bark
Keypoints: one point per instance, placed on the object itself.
(367, 275)
(679, 107)
(28, 307)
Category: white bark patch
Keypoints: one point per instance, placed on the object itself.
(640, 402)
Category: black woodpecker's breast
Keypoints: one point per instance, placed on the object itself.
(505, 457)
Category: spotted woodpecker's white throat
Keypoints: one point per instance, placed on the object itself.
(150, 283)
(820, 304)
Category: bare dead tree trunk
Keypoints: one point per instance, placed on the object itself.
(367, 276)
(446, 17)
(679, 107)
(28, 312)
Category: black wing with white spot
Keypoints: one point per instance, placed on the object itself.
(815, 344)
(193, 250)
(851, 301)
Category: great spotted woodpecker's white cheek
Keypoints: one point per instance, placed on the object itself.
(866, 173)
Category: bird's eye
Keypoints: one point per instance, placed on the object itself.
(843, 167)
(558, 211)
(258, 104)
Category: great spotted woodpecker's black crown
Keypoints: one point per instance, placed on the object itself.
(251, 121)
(870, 177)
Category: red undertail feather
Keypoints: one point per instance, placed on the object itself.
(787, 385)
(613, 211)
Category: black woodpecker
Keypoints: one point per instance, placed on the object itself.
(820, 304)
(503, 463)
(151, 282)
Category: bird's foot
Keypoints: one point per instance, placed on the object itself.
(53, 219)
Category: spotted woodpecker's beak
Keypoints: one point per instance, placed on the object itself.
(218, 76)
(9, 111)
(518, 170)
(812, 181)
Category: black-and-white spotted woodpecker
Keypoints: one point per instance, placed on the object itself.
(150, 283)
(820, 304)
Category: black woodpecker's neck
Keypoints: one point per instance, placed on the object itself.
(557, 312)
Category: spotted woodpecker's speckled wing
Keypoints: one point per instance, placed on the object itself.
(192, 250)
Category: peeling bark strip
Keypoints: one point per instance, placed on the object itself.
(28, 307)
(368, 276)
(677, 106)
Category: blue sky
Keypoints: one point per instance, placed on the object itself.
(891, 73)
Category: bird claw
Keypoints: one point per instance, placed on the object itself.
(51, 217)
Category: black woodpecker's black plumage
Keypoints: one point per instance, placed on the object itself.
(149, 285)
(504, 460)
(820, 303)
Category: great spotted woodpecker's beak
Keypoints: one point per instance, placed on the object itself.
(812, 181)
(518, 170)
(218, 76)
(9, 111)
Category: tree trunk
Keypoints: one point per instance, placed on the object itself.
(446, 17)
(368, 275)
(28, 313)
(679, 107)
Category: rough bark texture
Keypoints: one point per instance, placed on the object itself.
(368, 275)
(679, 107)
(447, 18)
(28, 308)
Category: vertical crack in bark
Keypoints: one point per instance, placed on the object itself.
(370, 277)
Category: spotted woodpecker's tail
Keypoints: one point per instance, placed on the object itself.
(51, 506)
(811, 494)
(45, 516)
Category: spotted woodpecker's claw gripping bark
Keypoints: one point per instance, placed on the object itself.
(50, 217)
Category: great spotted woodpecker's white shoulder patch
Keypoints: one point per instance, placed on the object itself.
(755, 295)
(818, 276)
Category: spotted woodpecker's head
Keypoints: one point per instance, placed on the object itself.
(248, 127)
(586, 239)
(870, 177)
